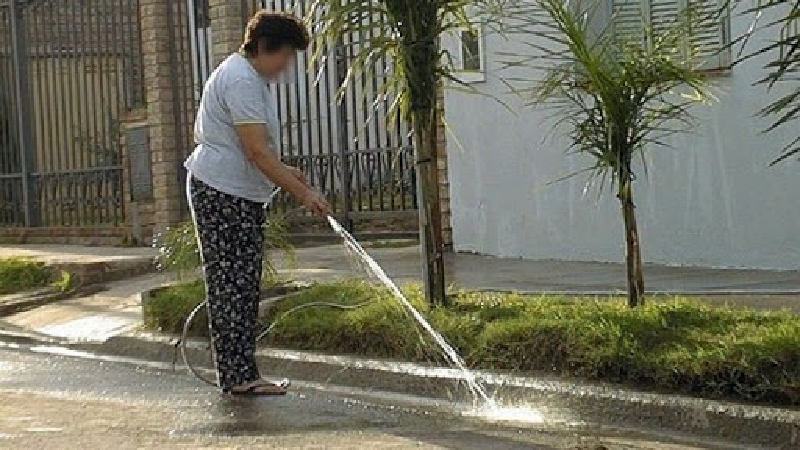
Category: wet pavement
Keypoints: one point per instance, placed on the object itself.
(52, 400)
(114, 310)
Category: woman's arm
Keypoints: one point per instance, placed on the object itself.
(254, 141)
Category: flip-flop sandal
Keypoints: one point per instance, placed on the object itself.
(264, 388)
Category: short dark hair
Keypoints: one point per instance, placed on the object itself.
(269, 31)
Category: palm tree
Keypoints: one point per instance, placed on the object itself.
(783, 67)
(616, 98)
(407, 33)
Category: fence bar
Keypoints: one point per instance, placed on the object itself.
(22, 94)
(11, 213)
(65, 187)
(82, 147)
(340, 69)
(62, 156)
(105, 94)
(329, 97)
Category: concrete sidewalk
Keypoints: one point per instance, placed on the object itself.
(506, 274)
(759, 289)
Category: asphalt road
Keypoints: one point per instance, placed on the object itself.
(53, 400)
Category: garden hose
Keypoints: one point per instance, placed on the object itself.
(190, 318)
(266, 331)
(182, 344)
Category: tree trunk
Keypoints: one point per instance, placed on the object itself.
(430, 226)
(633, 256)
(419, 27)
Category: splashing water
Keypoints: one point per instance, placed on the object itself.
(496, 413)
(478, 390)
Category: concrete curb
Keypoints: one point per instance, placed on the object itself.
(669, 293)
(44, 297)
(103, 272)
(305, 239)
(89, 275)
(560, 401)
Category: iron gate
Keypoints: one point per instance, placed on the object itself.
(347, 147)
(68, 68)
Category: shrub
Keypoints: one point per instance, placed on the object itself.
(179, 253)
(17, 274)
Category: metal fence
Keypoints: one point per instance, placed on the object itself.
(190, 65)
(68, 69)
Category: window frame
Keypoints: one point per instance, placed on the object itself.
(470, 75)
(720, 61)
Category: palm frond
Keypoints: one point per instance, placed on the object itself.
(615, 97)
(782, 50)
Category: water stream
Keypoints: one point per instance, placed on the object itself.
(477, 389)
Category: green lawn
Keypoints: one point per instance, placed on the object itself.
(18, 274)
(675, 344)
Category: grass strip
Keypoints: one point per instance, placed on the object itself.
(676, 344)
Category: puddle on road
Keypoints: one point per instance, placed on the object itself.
(520, 415)
(61, 351)
(94, 328)
(489, 413)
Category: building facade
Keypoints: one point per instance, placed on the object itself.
(710, 200)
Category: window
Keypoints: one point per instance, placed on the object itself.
(710, 38)
(470, 51)
(469, 58)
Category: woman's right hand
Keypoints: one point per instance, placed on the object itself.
(315, 203)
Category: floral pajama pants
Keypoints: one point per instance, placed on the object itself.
(230, 234)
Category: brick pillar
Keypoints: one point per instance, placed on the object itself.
(227, 28)
(444, 182)
(156, 32)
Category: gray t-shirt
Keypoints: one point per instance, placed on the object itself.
(234, 94)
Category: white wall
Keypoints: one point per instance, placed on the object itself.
(711, 200)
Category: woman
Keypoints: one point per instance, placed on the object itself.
(232, 172)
